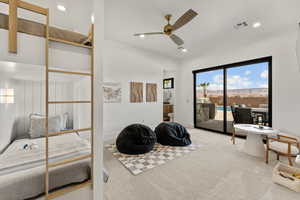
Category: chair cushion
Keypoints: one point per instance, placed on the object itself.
(283, 147)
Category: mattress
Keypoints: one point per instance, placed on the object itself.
(38, 29)
(22, 171)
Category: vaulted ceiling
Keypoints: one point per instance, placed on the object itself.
(212, 28)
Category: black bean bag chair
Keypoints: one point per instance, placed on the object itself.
(136, 139)
(172, 134)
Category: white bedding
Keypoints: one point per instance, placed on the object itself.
(17, 158)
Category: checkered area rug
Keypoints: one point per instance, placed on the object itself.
(160, 155)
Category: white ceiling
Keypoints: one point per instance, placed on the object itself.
(212, 28)
(77, 16)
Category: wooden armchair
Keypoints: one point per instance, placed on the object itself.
(283, 146)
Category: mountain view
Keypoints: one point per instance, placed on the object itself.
(246, 85)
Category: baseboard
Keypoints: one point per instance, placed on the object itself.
(109, 137)
(187, 125)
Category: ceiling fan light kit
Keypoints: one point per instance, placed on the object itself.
(169, 29)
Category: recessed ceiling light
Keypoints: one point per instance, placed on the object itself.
(256, 25)
(61, 8)
(182, 49)
(93, 18)
(142, 36)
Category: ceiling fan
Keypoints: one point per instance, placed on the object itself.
(169, 29)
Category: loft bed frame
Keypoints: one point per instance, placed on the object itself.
(14, 25)
(38, 29)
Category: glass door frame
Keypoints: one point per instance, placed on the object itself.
(225, 68)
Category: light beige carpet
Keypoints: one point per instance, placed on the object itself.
(218, 171)
(160, 155)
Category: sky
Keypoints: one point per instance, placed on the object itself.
(245, 77)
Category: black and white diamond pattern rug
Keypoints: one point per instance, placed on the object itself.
(160, 155)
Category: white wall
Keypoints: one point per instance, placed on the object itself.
(123, 64)
(286, 78)
(98, 109)
(82, 112)
(29, 98)
(6, 120)
(298, 47)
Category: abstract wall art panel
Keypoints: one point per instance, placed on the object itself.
(151, 92)
(112, 93)
(136, 92)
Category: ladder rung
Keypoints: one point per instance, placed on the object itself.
(68, 72)
(4, 1)
(69, 43)
(64, 162)
(68, 189)
(32, 8)
(69, 131)
(68, 102)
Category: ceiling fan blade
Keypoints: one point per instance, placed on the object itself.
(177, 39)
(184, 19)
(153, 33)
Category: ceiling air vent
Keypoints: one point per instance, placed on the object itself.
(241, 25)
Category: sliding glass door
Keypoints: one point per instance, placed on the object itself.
(239, 92)
(210, 100)
(248, 94)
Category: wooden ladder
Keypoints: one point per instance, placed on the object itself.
(56, 193)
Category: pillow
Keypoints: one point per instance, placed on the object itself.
(37, 125)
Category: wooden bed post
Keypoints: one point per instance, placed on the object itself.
(13, 26)
(92, 101)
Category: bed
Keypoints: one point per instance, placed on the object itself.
(22, 166)
(38, 29)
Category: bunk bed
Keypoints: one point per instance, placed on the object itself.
(47, 167)
(38, 29)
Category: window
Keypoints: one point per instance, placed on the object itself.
(168, 83)
(7, 96)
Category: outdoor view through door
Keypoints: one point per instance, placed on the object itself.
(239, 92)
